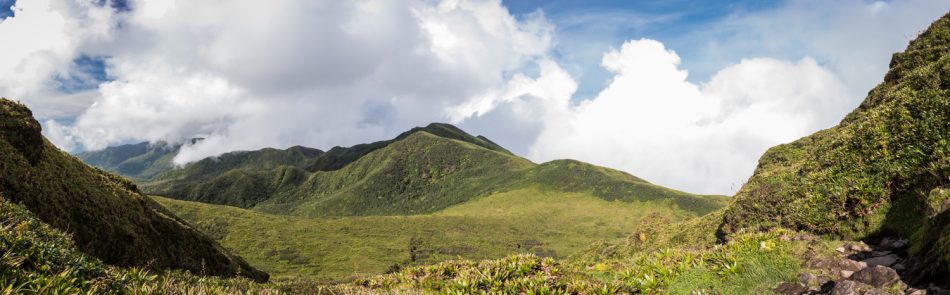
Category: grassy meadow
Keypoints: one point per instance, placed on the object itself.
(532, 220)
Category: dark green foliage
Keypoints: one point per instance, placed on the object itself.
(30, 250)
(242, 178)
(38, 259)
(872, 174)
(106, 215)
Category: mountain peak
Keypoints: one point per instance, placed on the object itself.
(450, 131)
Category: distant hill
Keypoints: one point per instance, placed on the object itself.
(106, 215)
(423, 170)
(137, 161)
(883, 171)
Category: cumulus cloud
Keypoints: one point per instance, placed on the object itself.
(318, 73)
(325, 73)
(701, 138)
(40, 43)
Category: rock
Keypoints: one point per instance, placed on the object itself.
(858, 247)
(790, 289)
(899, 267)
(912, 291)
(879, 277)
(848, 264)
(806, 278)
(886, 260)
(846, 273)
(840, 249)
(886, 243)
(900, 244)
(848, 287)
(880, 253)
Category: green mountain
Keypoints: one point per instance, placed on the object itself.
(423, 170)
(881, 175)
(430, 194)
(883, 171)
(106, 215)
(137, 161)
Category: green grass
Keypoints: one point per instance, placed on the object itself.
(751, 264)
(874, 174)
(533, 220)
(36, 258)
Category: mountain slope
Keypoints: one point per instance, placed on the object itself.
(884, 170)
(421, 171)
(337, 157)
(106, 215)
(137, 161)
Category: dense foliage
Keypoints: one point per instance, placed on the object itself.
(883, 171)
(98, 209)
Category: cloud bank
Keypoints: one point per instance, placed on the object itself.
(325, 73)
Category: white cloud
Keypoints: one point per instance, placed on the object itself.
(40, 42)
(317, 73)
(324, 73)
(701, 138)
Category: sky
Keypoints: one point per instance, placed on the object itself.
(685, 94)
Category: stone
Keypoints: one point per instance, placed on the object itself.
(790, 289)
(879, 277)
(858, 247)
(899, 267)
(848, 287)
(848, 264)
(886, 260)
(846, 273)
(807, 278)
(840, 249)
(912, 291)
(880, 253)
(900, 244)
(885, 243)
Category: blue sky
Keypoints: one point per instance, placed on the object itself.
(587, 29)
(5, 6)
(686, 94)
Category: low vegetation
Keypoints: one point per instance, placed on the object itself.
(883, 171)
(544, 222)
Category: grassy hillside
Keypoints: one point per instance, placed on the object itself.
(106, 215)
(418, 172)
(535, 220)
(38, 259)
(884, 170)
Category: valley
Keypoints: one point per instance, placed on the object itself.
(535, 220)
